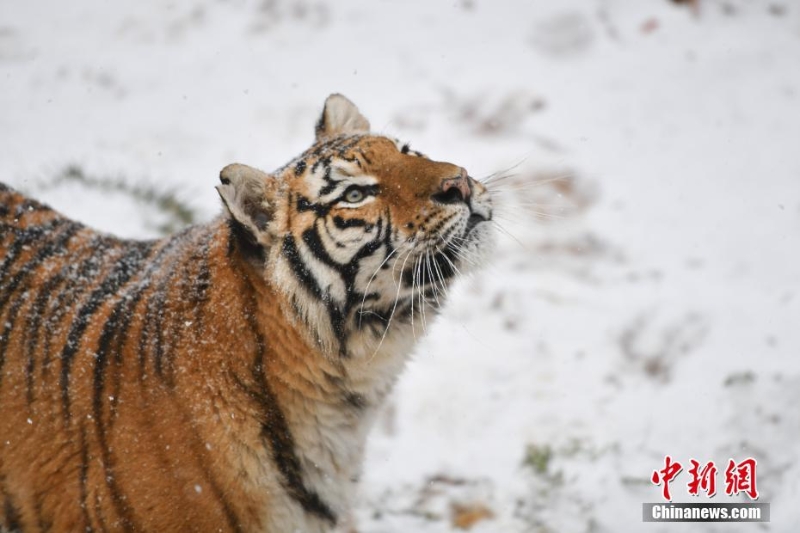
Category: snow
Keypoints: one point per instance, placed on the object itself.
(653, 309)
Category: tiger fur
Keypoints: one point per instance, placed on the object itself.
(223, 378)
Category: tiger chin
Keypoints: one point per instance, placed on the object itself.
(224, 378)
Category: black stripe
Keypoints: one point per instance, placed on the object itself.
(119, 331)
(312, 239)
(45, 525)
(152, 319)
(173, 326)
(83, 480)
(32, 327)
(404, 309)
(117, 351)
(437, 262)
(148, 335)
(48, 248)
(338, 313)
(114, 333)
(198, 297)
(304, 204)
(154, 316)
(299, 268)
(13, 517)
(330, 183)
(230, 514)
(116, 327)
(348, 274)
(201, 460)
(76, 276)
(20, 278)
(355, 400)
(24, 238)
(330, 235)
(374, 316)
(124, 268)
(341, 223)
(444, 261)
(204, 462)
(148, 342)
(5, 336)
(277, 436)
(98, 512)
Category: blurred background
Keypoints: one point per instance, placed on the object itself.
(644, 299)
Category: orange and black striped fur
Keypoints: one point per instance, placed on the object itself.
(224, 378)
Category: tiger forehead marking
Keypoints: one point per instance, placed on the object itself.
(397, 184)
(224, 378)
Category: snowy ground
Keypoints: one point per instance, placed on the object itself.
(649, 303)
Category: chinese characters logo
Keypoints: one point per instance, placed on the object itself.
(739, 477)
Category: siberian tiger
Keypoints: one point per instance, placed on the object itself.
(224, 378)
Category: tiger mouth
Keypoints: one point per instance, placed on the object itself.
(472, 222)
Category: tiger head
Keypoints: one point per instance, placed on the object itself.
(360, 234)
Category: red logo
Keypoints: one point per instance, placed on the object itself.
(704, 479)
(666, 475)
(739, 477)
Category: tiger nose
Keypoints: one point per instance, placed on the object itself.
(454, 189)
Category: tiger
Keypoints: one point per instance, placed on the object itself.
(225, 378)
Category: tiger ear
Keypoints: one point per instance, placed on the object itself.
(340, 117)
(249, 198)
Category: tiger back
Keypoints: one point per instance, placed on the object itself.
(224, 378)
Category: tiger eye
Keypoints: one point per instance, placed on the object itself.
(354, 195)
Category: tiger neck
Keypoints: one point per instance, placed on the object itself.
(319, 404)
(308, 410)
(310, 360)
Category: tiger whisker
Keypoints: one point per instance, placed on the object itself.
(503, 204)
(447, 244)
(413, 287)
(528, 184)
(522, 215)
(453, 265)
(441, 278)
(422, 296)
(495, 179)
(421, 288)
(396, 300)
(494, 175)
(460, 254)
(504, 230)
(366, 290)
(431, 277)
